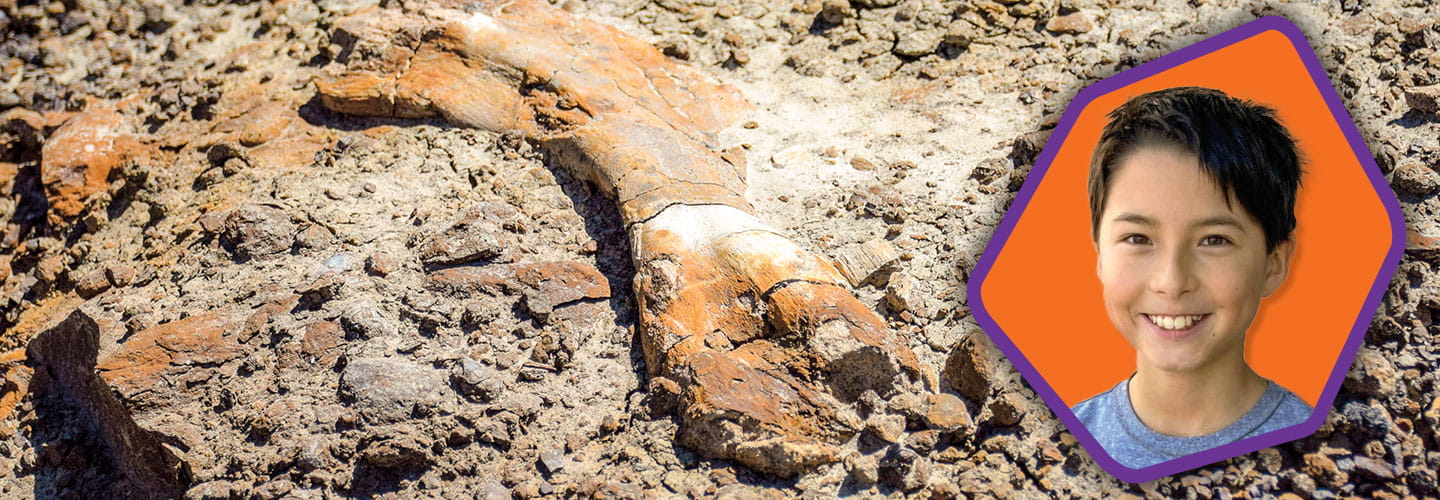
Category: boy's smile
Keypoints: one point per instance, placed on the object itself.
(1183, 265)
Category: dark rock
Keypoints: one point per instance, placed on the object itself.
(64, 359)
(388, 390)
(1416, 178)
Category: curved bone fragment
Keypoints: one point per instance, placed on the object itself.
(763, 339)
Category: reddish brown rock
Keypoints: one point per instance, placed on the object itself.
(171, 355)
(320, 345)
(14, 383)
(1070, 24)
(78, 157)
(975, 366)
(549, 283)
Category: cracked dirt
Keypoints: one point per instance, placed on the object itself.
(354, 248)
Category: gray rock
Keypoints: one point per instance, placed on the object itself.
(919, 43)
(388, 390)
(364, 319)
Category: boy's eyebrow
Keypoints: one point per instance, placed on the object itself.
(1220, 220)
(1134, 219)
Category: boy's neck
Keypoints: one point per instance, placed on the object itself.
(1194, 403)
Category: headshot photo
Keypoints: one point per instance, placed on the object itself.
(1192, 208)
(1188, 271)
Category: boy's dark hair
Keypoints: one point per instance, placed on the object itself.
(1241, 145)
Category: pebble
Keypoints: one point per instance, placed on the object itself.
(1070, 24)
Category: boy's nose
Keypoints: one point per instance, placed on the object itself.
(1174, 274)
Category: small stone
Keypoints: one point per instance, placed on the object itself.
(1416, 178)
(1372, 374)
(948, 413)
(975, 366)
(255, 231)
(860, 163)
(395, 451)
(92, 283)
(902, 293)
(381, 264)
(919, 43)
(553, 459)
(865, 470)
(889, 428)
(870, 263)
(1070, 24)
(1424, 99)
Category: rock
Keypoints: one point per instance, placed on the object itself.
(255, 231)
(471, 377)
(1372, 374)
(396, 450)
(543, 285)
(492, 490)
(975, 366)
(1009, 408)
(462, 243)
(959, 34)
(92, 283)
(835, 12)
(903, 293)
(869, 263)
(172, 356)
(77, 158)
(364, 319)
(889, 428)
(1377, 470)
(919, 43)
(1416, 178)
(865, 470)
(1424, 99)
(381, 264)
(553, 460)
(321, 343)
(1070, 24)
(947, 413)
(65, 357)
(388, 390)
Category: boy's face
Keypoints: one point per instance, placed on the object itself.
(1183, 272)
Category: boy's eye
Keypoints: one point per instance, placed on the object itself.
(1214, 240)
(1135, 239)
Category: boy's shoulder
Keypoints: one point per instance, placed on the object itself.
(1099, 409)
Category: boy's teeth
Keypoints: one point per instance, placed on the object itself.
(1175, 322)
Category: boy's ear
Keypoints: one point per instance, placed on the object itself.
(1277, 265)
(1097, 259)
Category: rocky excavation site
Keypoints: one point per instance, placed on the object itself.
(608, 248)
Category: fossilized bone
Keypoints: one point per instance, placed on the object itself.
(760, 340)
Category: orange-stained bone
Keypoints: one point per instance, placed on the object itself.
(763, 339)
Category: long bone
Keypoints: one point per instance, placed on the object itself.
(760, 340)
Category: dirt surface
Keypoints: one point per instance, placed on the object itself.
(285, 301)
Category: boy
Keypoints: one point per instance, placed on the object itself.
(1192, 206)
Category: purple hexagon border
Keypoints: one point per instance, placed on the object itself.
(1042, 164)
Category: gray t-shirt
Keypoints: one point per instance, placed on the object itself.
(1110, 418)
